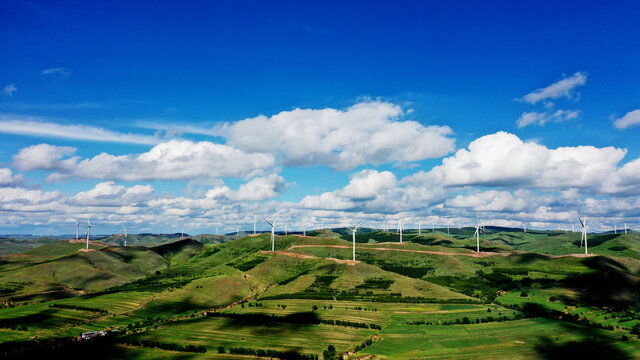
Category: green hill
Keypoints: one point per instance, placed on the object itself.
(430, 297)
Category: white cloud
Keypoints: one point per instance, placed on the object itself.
(41, 128)
(110, 194)
(170, 160)
(367, 184)
(8, 178)
(42, 157)
(561, 88)
(497, 201)
(9, 90)
(537, 118)
(631, 118)
(61, 71)
(502, 159)
(365, 133)
(257, 189)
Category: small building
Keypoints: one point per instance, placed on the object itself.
(89, 335)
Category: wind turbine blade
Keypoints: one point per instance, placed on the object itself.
(269, 222)
(356, 228)
(581, 222)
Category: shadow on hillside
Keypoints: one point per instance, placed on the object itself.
(595, 344)
(65, 348)
(608, 283)
(271, 325)
(42, 319)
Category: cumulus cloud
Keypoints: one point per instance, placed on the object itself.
(39, 127)
(632, 118)
(43, 157)
(502, 159)
(170, 160)
(257, 189)
(561, 88)
(496, 201)
(367, 184)
(9, 90)
(8, 178)
(541, 118)
(110, 194)
(366, 133)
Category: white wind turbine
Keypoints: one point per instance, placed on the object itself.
(625, 228)
(304, 229)
(88, 231)
(125, 235)
(255, 214)
(615, 229)
(583, 237)
(419, 229)
(524, 227)
(400, 227)
(477, 236)
(273, 232)
(353, 234)
(77, 230)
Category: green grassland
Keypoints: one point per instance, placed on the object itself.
(430, 297)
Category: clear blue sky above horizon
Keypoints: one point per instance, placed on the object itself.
(142, 75)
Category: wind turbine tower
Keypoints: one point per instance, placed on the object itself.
(583, 237)
(125, 235)
(77, 230)
(477, 236)
(88, 231)
(615, 229)
(254, 222)
(419, 229)
(273, 232)
(353, 235)
(625, 228)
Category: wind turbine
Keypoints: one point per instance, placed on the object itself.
(477, 236)
(419, 229)
(524, 227)
(125, 235)
(304, 229)
(625, 228)
(615, 229)
(88, 231)
(400, 226)
(273, 232)
(254, 222)
(353, 234)
(77, 230)
(583, 237)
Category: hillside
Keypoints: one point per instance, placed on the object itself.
(430, 297)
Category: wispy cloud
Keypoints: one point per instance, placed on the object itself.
(60, 71)
(47, 106)
(41, 128)
(9, 90)
(172, 129)
(541, 118)
(631, 118)
(561, 88)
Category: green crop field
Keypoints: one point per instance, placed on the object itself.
(526, 297)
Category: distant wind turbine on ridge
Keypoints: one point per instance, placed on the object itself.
(125, 235)
(273, 232)
(583, 237)
(77, 230)
(353, 234)
(88, 231)
(477, 236)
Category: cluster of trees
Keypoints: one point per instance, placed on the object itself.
(251, 305)
(330, 353)
(351, 324)
(366, 343)
(466, 320)
(167, 346)
(284, 355)
(77, 307)
(12, 325)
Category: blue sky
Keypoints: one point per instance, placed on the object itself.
(120, 78)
